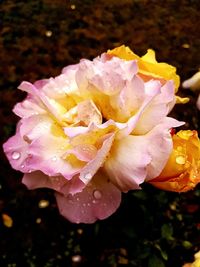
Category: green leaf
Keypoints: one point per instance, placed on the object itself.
(187, 244)
(167, 232)
(154, 261)
(162, 252)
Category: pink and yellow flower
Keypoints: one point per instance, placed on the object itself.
(96, 130)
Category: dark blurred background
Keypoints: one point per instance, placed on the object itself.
(37, 39)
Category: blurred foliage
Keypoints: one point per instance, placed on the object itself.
(38, 38)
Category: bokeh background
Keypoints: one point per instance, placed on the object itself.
(37, 39)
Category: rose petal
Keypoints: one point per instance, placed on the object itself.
(37, 179)
(89, 170)
(16, 151)
(156, 110)
(48, 154)
(159, 143)
(127, 163)
(97, 201)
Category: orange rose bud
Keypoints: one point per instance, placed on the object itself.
(182, 171)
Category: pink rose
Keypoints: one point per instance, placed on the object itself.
(91, 133)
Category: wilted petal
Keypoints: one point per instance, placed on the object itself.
(97, 201)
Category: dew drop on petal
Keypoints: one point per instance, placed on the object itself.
(87, 176)
(180, 160)
(16, 155)
(70, 198)
(97, 194)
(54, 158)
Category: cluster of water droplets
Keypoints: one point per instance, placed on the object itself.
(93, 199)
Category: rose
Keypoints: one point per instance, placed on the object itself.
(182, 171)
(94, 131)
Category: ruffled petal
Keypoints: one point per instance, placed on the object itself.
(29, 107)
(127, 163)
(48, 155)
(93, 166)
(157, 108)
(37, 179)
(159, 143)
(97, 201)
(16, 151)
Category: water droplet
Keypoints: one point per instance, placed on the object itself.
(88, 204)
(180, 160)
(16, 155)
(70, 198)
(77, 198)
(54, 158)
(97, 194)
(87, 176)
(22, 166)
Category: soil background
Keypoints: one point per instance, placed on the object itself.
(37, 39)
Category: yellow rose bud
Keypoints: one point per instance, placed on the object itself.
(182, 171)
